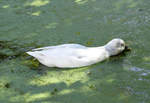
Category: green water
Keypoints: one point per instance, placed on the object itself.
(27, 24)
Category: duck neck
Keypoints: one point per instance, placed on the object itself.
(110, 50)
(103, 48)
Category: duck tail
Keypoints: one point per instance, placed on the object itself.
(34, 54)
(31, 53)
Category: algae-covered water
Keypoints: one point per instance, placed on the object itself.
(27, 24)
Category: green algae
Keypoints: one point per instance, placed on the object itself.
(28, 24)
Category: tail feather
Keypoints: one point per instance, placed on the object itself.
(35, 54)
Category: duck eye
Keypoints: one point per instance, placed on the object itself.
(122, 44)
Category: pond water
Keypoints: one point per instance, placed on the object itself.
(27, 24)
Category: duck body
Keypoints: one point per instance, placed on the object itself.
(70, 55)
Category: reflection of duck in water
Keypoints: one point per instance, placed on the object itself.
(76, 55)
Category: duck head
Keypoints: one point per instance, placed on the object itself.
(115, 46)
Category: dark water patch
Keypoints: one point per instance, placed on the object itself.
(54, 91)
(13, 50)
(2, 44)
(7, 85)
(3, 56)
(140, 9)
(19, 91)
(10, 50)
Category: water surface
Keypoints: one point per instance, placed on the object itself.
(27, 24)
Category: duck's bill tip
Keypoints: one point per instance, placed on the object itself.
(127, 48)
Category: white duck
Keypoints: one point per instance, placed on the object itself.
(76, 55)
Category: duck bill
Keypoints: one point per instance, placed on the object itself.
(127, 48)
